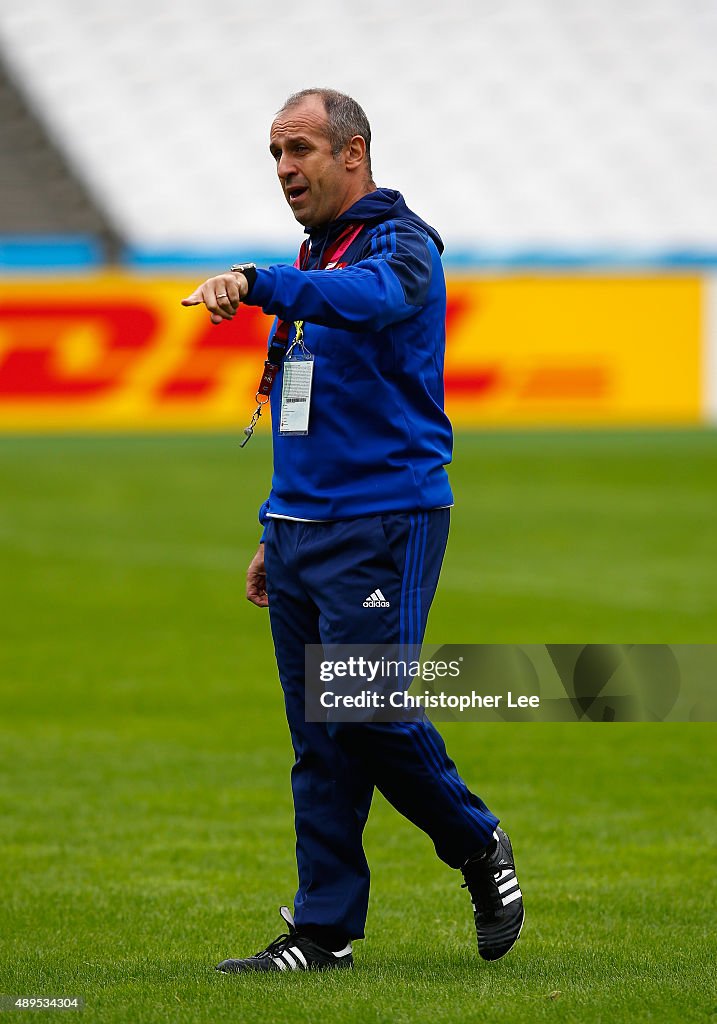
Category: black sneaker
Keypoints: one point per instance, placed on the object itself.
(290, 952)
(497, 900)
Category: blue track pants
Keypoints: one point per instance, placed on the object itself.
(318, 577)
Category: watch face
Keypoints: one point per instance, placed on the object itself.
(248, 270)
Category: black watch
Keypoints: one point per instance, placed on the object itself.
(248, 270)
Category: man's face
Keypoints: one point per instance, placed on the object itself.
(316, 184)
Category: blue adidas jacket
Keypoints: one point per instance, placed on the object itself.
(378, 437)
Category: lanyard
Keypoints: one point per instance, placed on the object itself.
(279, 343)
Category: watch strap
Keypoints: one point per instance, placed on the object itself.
(248, 270)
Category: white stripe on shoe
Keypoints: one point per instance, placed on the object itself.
(279, 963)
(510, 884)
(511, 897)
(344, 952)
(289, 959)
(300, 956)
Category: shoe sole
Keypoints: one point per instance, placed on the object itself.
(297, 970)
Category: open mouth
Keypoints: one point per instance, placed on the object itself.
(296, 192)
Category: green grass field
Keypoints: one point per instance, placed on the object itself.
(144, 756)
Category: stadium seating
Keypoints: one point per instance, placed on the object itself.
(519, 123)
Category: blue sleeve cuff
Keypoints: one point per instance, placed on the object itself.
(263, 518)
(262, 289)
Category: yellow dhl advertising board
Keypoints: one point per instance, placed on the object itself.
(119, 352)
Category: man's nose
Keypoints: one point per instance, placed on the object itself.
(286, 166)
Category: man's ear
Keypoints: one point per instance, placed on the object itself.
(355, 153)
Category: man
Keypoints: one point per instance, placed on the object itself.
(359, 507)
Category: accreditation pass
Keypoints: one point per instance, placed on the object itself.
(296, 392)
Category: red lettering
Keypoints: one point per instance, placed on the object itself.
(476, 383)
(217, 345)
(32, 367)
(566, 382)
(462, 382)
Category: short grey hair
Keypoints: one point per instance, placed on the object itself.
(344, 116)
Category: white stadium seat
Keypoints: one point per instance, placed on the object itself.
(513, 123)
